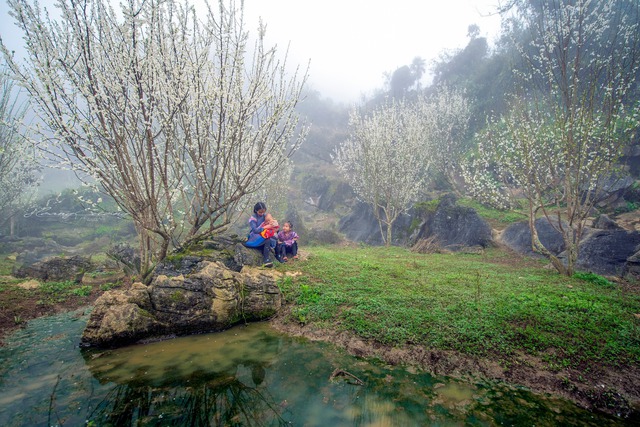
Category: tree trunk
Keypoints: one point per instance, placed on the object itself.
(537, 246)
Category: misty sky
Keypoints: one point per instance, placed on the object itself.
(351, 43)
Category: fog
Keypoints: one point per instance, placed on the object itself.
(351, 44)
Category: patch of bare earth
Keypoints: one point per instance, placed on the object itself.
(614, 391)
(20, 303)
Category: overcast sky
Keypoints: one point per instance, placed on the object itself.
(352, 43)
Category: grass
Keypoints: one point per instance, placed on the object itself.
(59, 292)
(491, 306)
(19, 303)
(497, 218)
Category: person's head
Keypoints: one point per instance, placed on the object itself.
(260, 209)
(268, 218)
(287, 226)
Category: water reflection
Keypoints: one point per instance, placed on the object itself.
(247, 376)
(197, 381)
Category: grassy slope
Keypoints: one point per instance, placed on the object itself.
(493, 305)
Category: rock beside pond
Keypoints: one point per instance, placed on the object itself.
(213, 298)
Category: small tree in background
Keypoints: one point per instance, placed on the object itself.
(18, 158)
(383, 160)
(447, 122)
(172, 116)
(561, 140)
(393, 151)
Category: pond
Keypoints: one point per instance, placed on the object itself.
(247, 376)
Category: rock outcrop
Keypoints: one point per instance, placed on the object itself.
(361, 225)
(518, 237)
(451, 226)
(609, 252)
(210, 287)
(56, 269)
(454, 227)
(212, 298)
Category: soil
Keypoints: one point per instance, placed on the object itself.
(613, 391)
(17, 308)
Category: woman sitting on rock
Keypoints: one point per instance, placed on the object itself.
(255, 238)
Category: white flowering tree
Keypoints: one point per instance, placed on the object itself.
(446, 119)
(562, 138)
(393, 151)
(171, 111)
(383, 160)
(18, 158)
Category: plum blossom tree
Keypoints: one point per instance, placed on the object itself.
(447, 124)
(18, 158)
(393, 151)
(383, 160)
(560, 142)
(169, 110)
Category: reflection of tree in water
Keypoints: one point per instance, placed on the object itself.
(202, 385)
(208, 399)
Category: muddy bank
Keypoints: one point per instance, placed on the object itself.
(615, 392)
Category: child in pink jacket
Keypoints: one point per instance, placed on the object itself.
(287, 242)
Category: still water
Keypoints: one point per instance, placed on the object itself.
(246, 376)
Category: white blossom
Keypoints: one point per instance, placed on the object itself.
(389, 155)
(563, 135)
(154, 98)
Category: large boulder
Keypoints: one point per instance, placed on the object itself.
(450, 225)
(454, 227)
(211, 298)
(35, 249)
(518, 237)
(362, 226)
(56, 269)
(213, 285)
(609, 252)
(613, 190)
(227, 249)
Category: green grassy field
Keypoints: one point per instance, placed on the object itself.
(493, 305)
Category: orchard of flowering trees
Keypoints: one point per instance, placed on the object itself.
(572, 111)
(561, 138)
(171, 111)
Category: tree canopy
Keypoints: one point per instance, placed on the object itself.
(18, 158)
(174, 116)
(566, 128)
